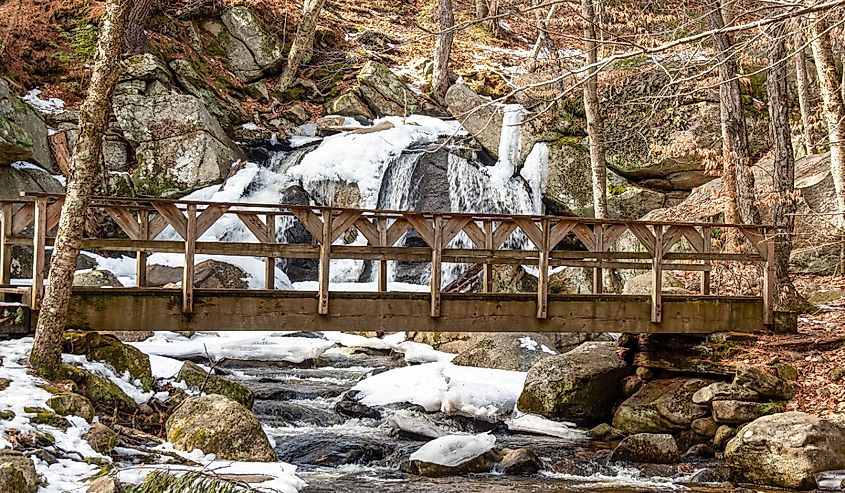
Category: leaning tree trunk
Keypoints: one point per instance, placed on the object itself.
(834, 108)
(736, 151)
(595, 128)
(784, 162)
(802, 80)
(302, 42)
(136, 37)
(443, 49)
(93, 117)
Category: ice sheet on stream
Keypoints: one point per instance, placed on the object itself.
(453, 450)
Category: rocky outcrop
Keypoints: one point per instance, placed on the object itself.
(198, 379)
(650, 448)
(386, 94)
(579, 386)
(23, 134)
(17, 473)
(178, 145)
(108, 349)
(787, 449)
(96, 278)
(516, 352)
(218, 425)
(661, 406)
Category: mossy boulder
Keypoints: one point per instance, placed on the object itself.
(7, 414)
(103, 393)
(17, 473)
(650, 448)
(661, 406)
(23, 134)
(46, 417)
(581, 385)
(198, 379)
(508, 351)
(218, 425)
(102, 438)
(108, 349)
(70, 404)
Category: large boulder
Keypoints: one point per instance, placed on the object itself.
(23, 178)
(103, 393)
(515, 352)
(179, 146)
(96, 278)
(579, 386)
(386, 94)
(198, 379)
(738, 412)
(218, 425)
(454, 455)
(661, 406)
(17, 473)
(108, 349)
(70, 404)
(787, 449)
(23, 134)
(650, 448)
(208, 274)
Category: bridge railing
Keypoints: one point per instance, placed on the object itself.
(654, 246)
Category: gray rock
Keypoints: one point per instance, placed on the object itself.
(216, 424)
(765, 381)
(14, 180)
(108, 349)
(349, 104)
(516, 352)
(521, 462)
(580, 385)
(483, 463)
(723, 434)
(641, 284)
(23, 133)
(661, 406)
(738, 412)
(385, 94)
(96, 279)
(198, 379)
(705, 426)
(17, 473)
(787, 449)
(225, 107)
(105, 484)
(208, 274)
(649, 448)
(103, 393)
(722, 391)
(248, 48)
(146, 68)
(605, 432)
(102, 438)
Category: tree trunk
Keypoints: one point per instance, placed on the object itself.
(736, 151)
(136, 37)
(93, 117)
(803, 88)
(443, 50)
(302, 43)
(784, 162)
(595, 128)
(482, 10)
(834, 108)
(543, 38)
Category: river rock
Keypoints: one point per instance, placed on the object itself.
(416, 424)
(108, 349)
(46, 417)
(738, 412)
(216, 424)
(454, 455)
(661, 406)
(650, 448)
(178, 144)
(765, 381)
(105, 484)
(23, 133)
(723, 434)
(70, 404)
(705, 426)
(17, 473)
(349, 104)
(96, 278)
(515, 352)
(199, 379)
(102, 438)
(604, 431)
(521, 462)
(787, 449)
(579, 386)
(722, 391)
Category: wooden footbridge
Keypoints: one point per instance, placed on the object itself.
(153, 225)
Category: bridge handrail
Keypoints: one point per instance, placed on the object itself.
(144, 219)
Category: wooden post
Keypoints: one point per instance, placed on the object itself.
(39, 240)
(705, 274)
(543, 275)
(769, 279)
(657, 276)
(487, 275)
(270, 262)
(382, 264)
(598, 233)
(436, 266)
(325, 263)
(5, 247)
(188, 271)
(141, 257)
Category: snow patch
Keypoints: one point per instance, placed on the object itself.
(454, 450)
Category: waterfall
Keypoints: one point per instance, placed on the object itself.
(395, 189)
(510, 142)
(536, 173)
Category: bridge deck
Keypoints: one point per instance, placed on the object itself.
(152, 225)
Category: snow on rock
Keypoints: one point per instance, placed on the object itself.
(538, 425)
(417, 352)
(131, 387)
(439, 386)
(261, 346)
(49, 105)
(454, 450)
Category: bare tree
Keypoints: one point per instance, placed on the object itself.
(93, 116)
(302, 43)
(136, 36)
(803, 87)
(736, 151)
(443, 49)
(595, 128)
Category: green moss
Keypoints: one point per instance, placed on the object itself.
(837, 374)
(7, 414)
(772, 407)
(47, 417)
(787, 372)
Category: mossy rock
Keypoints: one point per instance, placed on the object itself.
(103, 393)
(69, 404)
(4, 382)
(108, 349)
(12, 479)
(47, 417)
(102, 438)
(837, 374)
(198, 379)
(6, 414)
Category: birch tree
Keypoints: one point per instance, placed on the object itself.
(93, 117)
(595, 128)
(443, 49)
(302, 43)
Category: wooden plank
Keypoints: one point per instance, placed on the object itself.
(423, 227)
(475, 234)
(157, 225)
(174, 217)
(23, 218)
(370, 232)
(396, 231)
(613, 232)
(598, 282)
(343, 222)
(325, 263)
(769, 278)
(585, 234)
(706, 239)
(158, 309)
(126, 221)
(757, 240)
(54, 213)
(559, 232)
(695, 239)
(543, 277)
(671, 236)
(503, 231)
(643, 234)
(270, 262)
(454, 226)
(487, 273)
(141, 256)
(657, 277)
(39, 262)
(382, 264)
(60, 150)
(209, 216)
(310, 220)
(5, 246)
(190, 249)
(531, 230)
(436, 265)
(255, 226)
